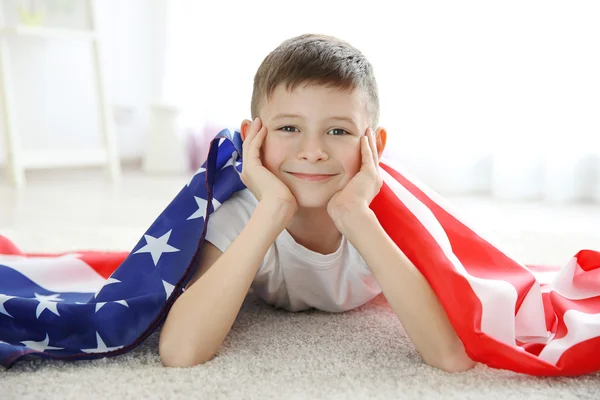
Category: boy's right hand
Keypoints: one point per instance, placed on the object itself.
(265, 186)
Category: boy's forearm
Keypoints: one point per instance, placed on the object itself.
(203, 315)
(408, 292)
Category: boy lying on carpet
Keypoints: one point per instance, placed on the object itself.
(302, 234)
(293, 236)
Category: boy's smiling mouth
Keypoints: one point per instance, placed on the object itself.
(312, 177)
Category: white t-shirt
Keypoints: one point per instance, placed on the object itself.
(291, 276)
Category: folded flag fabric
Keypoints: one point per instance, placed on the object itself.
(537, 320)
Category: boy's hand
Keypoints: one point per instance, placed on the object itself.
(261, 182)
(363, 187)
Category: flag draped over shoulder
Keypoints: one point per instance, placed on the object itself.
(83, 305)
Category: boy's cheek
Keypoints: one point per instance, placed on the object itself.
(354, 163)
(269, 161)
(272, 154)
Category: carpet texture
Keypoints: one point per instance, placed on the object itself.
(271, 354)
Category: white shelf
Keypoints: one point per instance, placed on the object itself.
(19, 159)
(40, 159)
(47, 32)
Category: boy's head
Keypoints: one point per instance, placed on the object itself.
(316, 95)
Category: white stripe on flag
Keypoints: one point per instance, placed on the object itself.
(66, 273)
(530, 321)
(580, 327)
(586, 287)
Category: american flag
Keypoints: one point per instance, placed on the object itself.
(537, 320)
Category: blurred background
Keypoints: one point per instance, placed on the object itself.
(494, 105)
(498, 98)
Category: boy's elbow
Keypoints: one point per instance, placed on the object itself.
(178, 360)
(453, 364)
(176, 357)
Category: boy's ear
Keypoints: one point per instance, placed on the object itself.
(380, 140)
(245, 128)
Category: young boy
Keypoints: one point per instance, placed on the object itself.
(302, 234)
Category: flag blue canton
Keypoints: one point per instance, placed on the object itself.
(86, 318)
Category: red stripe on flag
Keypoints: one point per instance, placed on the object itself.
(581, 358)
(589, 260)
(7, 247)
(103, 262)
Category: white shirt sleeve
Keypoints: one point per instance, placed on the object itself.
(228, 221)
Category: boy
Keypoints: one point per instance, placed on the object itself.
(302, 234)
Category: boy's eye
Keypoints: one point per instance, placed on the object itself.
(334, 131)
(338, 132)
(289, 129)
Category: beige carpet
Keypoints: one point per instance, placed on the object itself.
(271, 354)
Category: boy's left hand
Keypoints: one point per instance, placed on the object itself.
(363, 187)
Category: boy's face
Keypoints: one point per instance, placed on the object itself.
(313, 130)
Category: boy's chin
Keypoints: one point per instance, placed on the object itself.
(310, 200)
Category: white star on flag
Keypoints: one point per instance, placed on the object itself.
(201, 211)
(101, 346)
(47, 303)
(233, 162)
(40, 346)
(109, 281)
(3, 299)
(200, 171)
(101, 304)
(168, 288)
(157, 246)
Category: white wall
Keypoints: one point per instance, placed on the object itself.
(55, 92)
(463, 84)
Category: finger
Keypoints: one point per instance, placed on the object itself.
(258, 124)
(255, 127)
(368, 152)
(367, 157)
(257, 142)
(253, 130)
(373, 146)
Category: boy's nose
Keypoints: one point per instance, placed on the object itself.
(312, 149)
